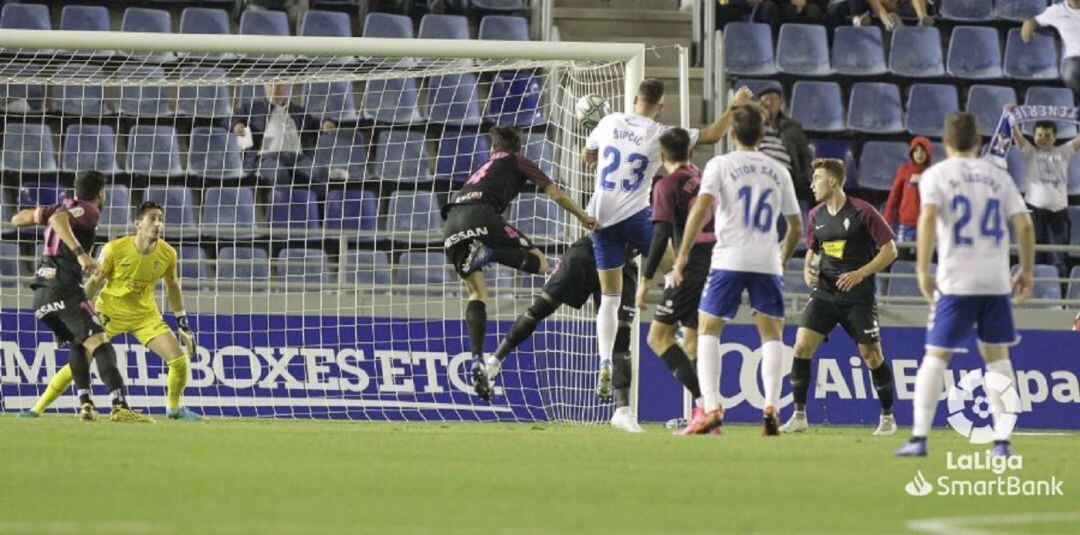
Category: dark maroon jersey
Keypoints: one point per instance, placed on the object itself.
(59, 267)
(674, 196)
(499, 181)
(846, 241)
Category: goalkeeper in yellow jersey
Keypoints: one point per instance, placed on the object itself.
(130, 269)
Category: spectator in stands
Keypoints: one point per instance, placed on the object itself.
(803, 11)
(903, 204)
(1065, 18)
(888, 12)
(295, 8)
(786, 142)
(763, 11)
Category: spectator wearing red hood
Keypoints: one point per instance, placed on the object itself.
(903, 204)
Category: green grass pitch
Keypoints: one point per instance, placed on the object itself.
(58, 475)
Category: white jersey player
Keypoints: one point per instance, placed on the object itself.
(966, 204)
(748, 190)
(626, 150)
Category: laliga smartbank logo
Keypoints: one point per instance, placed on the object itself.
(983, 474)
(980, 430)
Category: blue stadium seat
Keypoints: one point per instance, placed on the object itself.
(500, 6)
(915, 52)
(817, 106)
(540, 150)
(25, 17)
(875, 108)
(906, 287)
(803, 50)
(413, 212)
(503, 28)
(254, 263)
(460, 153)
(1074, 284)
(22, 99)
(444, 27)
(515, 99)
(967, 10)
(117, 210)
(193, 263)
(325, 24)
(153, 151)
(986, 102)
(421, 268)
(9, 263)
(841, 149)
(1034, 60)
(214, 153)
(89, 147)
(974, 53)
(204, 101)
(401, 155)
(927, 106)
(264, 22)
(228, 212)
(388, 25)
(5, 211)
(393, 101)
(143, 101)
(1051, 96)
(858, 51)
(34, 194)
(878, 162)
(303, 264)
(793, 277)
(80, 100)
(538, 217)
(179, 205)
(85, 18)
(344, 149)
(1074, 179)
(202, 20)
(1074, 217)
(1018, 10)
(331, 100)
(1046, 289)
(28, 148)
(748, 49)
(452, 99)
(294, 209)
(367, 268)
(141, 19)
(352, 210)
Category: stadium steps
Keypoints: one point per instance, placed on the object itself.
(584, 24)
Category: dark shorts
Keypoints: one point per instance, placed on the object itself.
(575, 280)
(467, 223)
(859, 320)
(679, 304)
(69, 315)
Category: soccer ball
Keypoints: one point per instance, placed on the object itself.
(590, 109)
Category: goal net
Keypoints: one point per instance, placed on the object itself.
(301, 180)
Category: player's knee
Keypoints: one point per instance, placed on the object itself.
(804, 350)
(872, 355)
(660, 339)
(541, 261)
(91, 344)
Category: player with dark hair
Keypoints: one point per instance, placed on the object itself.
(132, 266)
(59, 299)
(475, 232)
(851, 242)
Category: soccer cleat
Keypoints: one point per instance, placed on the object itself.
(29, 414)
(704, 423)
(916, 447)
(796, 424)
(886, 426)
(770, 422)
(87, 412)
(478, 257)
(121, 414)
(184, 414)
(603, 382)
(1002, 448)
(480, 380)
(624, 420)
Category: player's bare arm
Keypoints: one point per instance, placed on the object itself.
(792, 236)
(717, 130)
(699, 214)
(555, 193)
(924, 250)
(884, 257)
(1023, 283)
(810, 276)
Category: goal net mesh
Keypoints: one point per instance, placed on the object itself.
(303, 195)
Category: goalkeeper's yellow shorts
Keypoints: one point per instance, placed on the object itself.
(143, 329)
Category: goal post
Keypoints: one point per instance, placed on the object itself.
(314, 276)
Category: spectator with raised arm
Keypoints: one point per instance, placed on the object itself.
(1065, 18)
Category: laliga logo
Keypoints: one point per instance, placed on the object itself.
(994, 382)
(919, 486)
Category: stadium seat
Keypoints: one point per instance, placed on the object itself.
(193, 263)
(25, 17)
(214, 153)
(460, 153)
(264, 22)
(875, 108)
(927, 106)
(401, 155)
(500, 6)
(228, 212)
(1015, 164)
(1074, 217)
(986, 102)
(343, 149)
(22, 99)
(294, 209)
(153, 151)
(841, 149)
(503, 28)
(28, 148)
(204, 101)
(803, 50)
(352, 210)
(9, 264)
(367, 268)
(1051, 96)
(388, 25)
(967, 10)
(1018, 10)
(443, 27)
(117, 210)
(325, 24)
(81, 100)
(179, 205)
(748, 49)
(143, 101)
(1034, 60)
(331, 100)
(915, 52)
(794, 283)
(1046, 289)
(34, 194)
(202, 20)
(393, 101)
(303, 264)
(85, 18)
(904, 287)
(974, 53)
(817, 106)
(141, 19)
(421, 268)
(878, 162)
(537, 216)
(243, 263)
(413, 212)
(1074, 283)
(1074, 176)
(89, 147)
(452, 99)
(5, 211)
(514, 99)
(539, 149)
(858, 51)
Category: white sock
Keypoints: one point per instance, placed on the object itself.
(772, 360)
(622, 410)
(607, 324)
(708, 370)
(699, 402)
(1003, 421)
(929, 382)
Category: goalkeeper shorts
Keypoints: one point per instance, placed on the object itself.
(143, 329)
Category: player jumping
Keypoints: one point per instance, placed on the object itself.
(60, 301)
(475, 232)
(747, 189)
(852, 242)
(967, 201)
(132, 266)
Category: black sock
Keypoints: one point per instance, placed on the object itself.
(524, 326)
(80, 372)
(680, 366)
(105, 357)
(517, 258)
(800, 382)
(882, 378)
(622, 368)
(476, 319)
